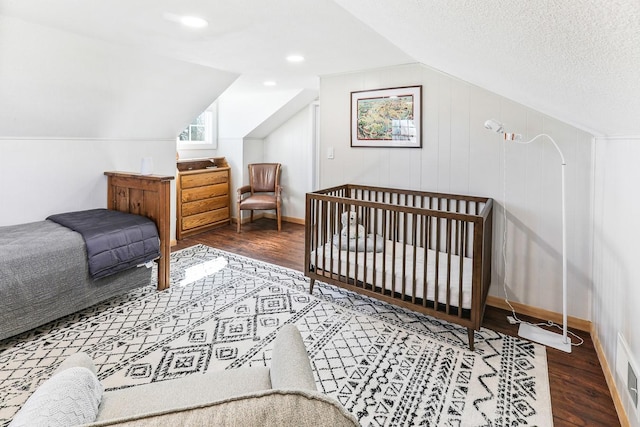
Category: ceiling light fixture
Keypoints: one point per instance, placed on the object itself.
(295, 58)
(187, 21)
(193, 22)
(269, 83)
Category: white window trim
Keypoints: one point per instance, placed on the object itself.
(211, 132)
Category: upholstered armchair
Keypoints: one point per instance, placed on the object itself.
(263, 192)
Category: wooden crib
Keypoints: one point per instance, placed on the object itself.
(428, 252)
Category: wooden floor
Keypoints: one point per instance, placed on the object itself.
(579, 393)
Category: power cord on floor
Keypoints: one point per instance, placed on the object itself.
(513, 319)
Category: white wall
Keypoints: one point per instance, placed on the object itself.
(290, 145)
(616, 295)
(45, 176)
(241, 112)
(72, 107)
(458, 155)
(58, 84)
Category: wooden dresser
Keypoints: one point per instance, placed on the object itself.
(203, 195)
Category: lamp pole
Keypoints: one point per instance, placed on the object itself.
(564, 232)
(529, 330)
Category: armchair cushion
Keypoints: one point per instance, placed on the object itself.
(259, 201)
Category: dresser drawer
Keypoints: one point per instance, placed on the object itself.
(204, 178)
(206, 192)
(199, 206)
(205, 218)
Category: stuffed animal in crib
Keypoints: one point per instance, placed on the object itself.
(350, 228)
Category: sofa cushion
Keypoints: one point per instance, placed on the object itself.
(183, 392)
(280, 408)
(68, 398)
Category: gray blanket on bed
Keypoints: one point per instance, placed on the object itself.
(115, 241)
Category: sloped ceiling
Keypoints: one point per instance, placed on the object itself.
(575, 60)
(55, 84)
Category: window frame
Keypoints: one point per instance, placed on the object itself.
(210, 131)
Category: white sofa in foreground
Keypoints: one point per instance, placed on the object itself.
(283, 395)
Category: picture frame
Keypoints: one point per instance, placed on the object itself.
(389, 117)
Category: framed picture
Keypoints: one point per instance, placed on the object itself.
(387, 117)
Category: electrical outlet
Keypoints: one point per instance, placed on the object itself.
(632, 384)
(627, 373)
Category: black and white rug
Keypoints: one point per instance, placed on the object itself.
(388, 366)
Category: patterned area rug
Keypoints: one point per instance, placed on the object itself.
(388, 366)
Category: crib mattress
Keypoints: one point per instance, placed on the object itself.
(335, 260)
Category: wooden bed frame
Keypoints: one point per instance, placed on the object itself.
(146, 195)
(435, 256)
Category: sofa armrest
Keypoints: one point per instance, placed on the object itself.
(290, 366)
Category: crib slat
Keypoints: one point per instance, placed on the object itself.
(462, 226)
(448, 252)
(414, 278)
(436, 280)
(425, 274)
(384, 252)
(394, 228)
(316, 223)
(404, 256)
(330, 209)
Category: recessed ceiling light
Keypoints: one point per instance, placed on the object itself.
(193, 22)
(269, 83)
(187, 21)
(295, 58)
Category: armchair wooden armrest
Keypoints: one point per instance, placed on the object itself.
(243, 189)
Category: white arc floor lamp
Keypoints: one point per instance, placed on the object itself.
(528, 330)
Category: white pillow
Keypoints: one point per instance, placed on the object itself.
(364, 244)
(68, 398)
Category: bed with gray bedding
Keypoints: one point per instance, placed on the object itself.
(45, 273)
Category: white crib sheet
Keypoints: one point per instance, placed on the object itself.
(324, 263)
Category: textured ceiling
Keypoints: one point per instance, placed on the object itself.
(576, 60)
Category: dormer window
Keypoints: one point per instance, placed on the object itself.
(202, 133)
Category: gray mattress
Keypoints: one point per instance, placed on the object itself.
(44, 276)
